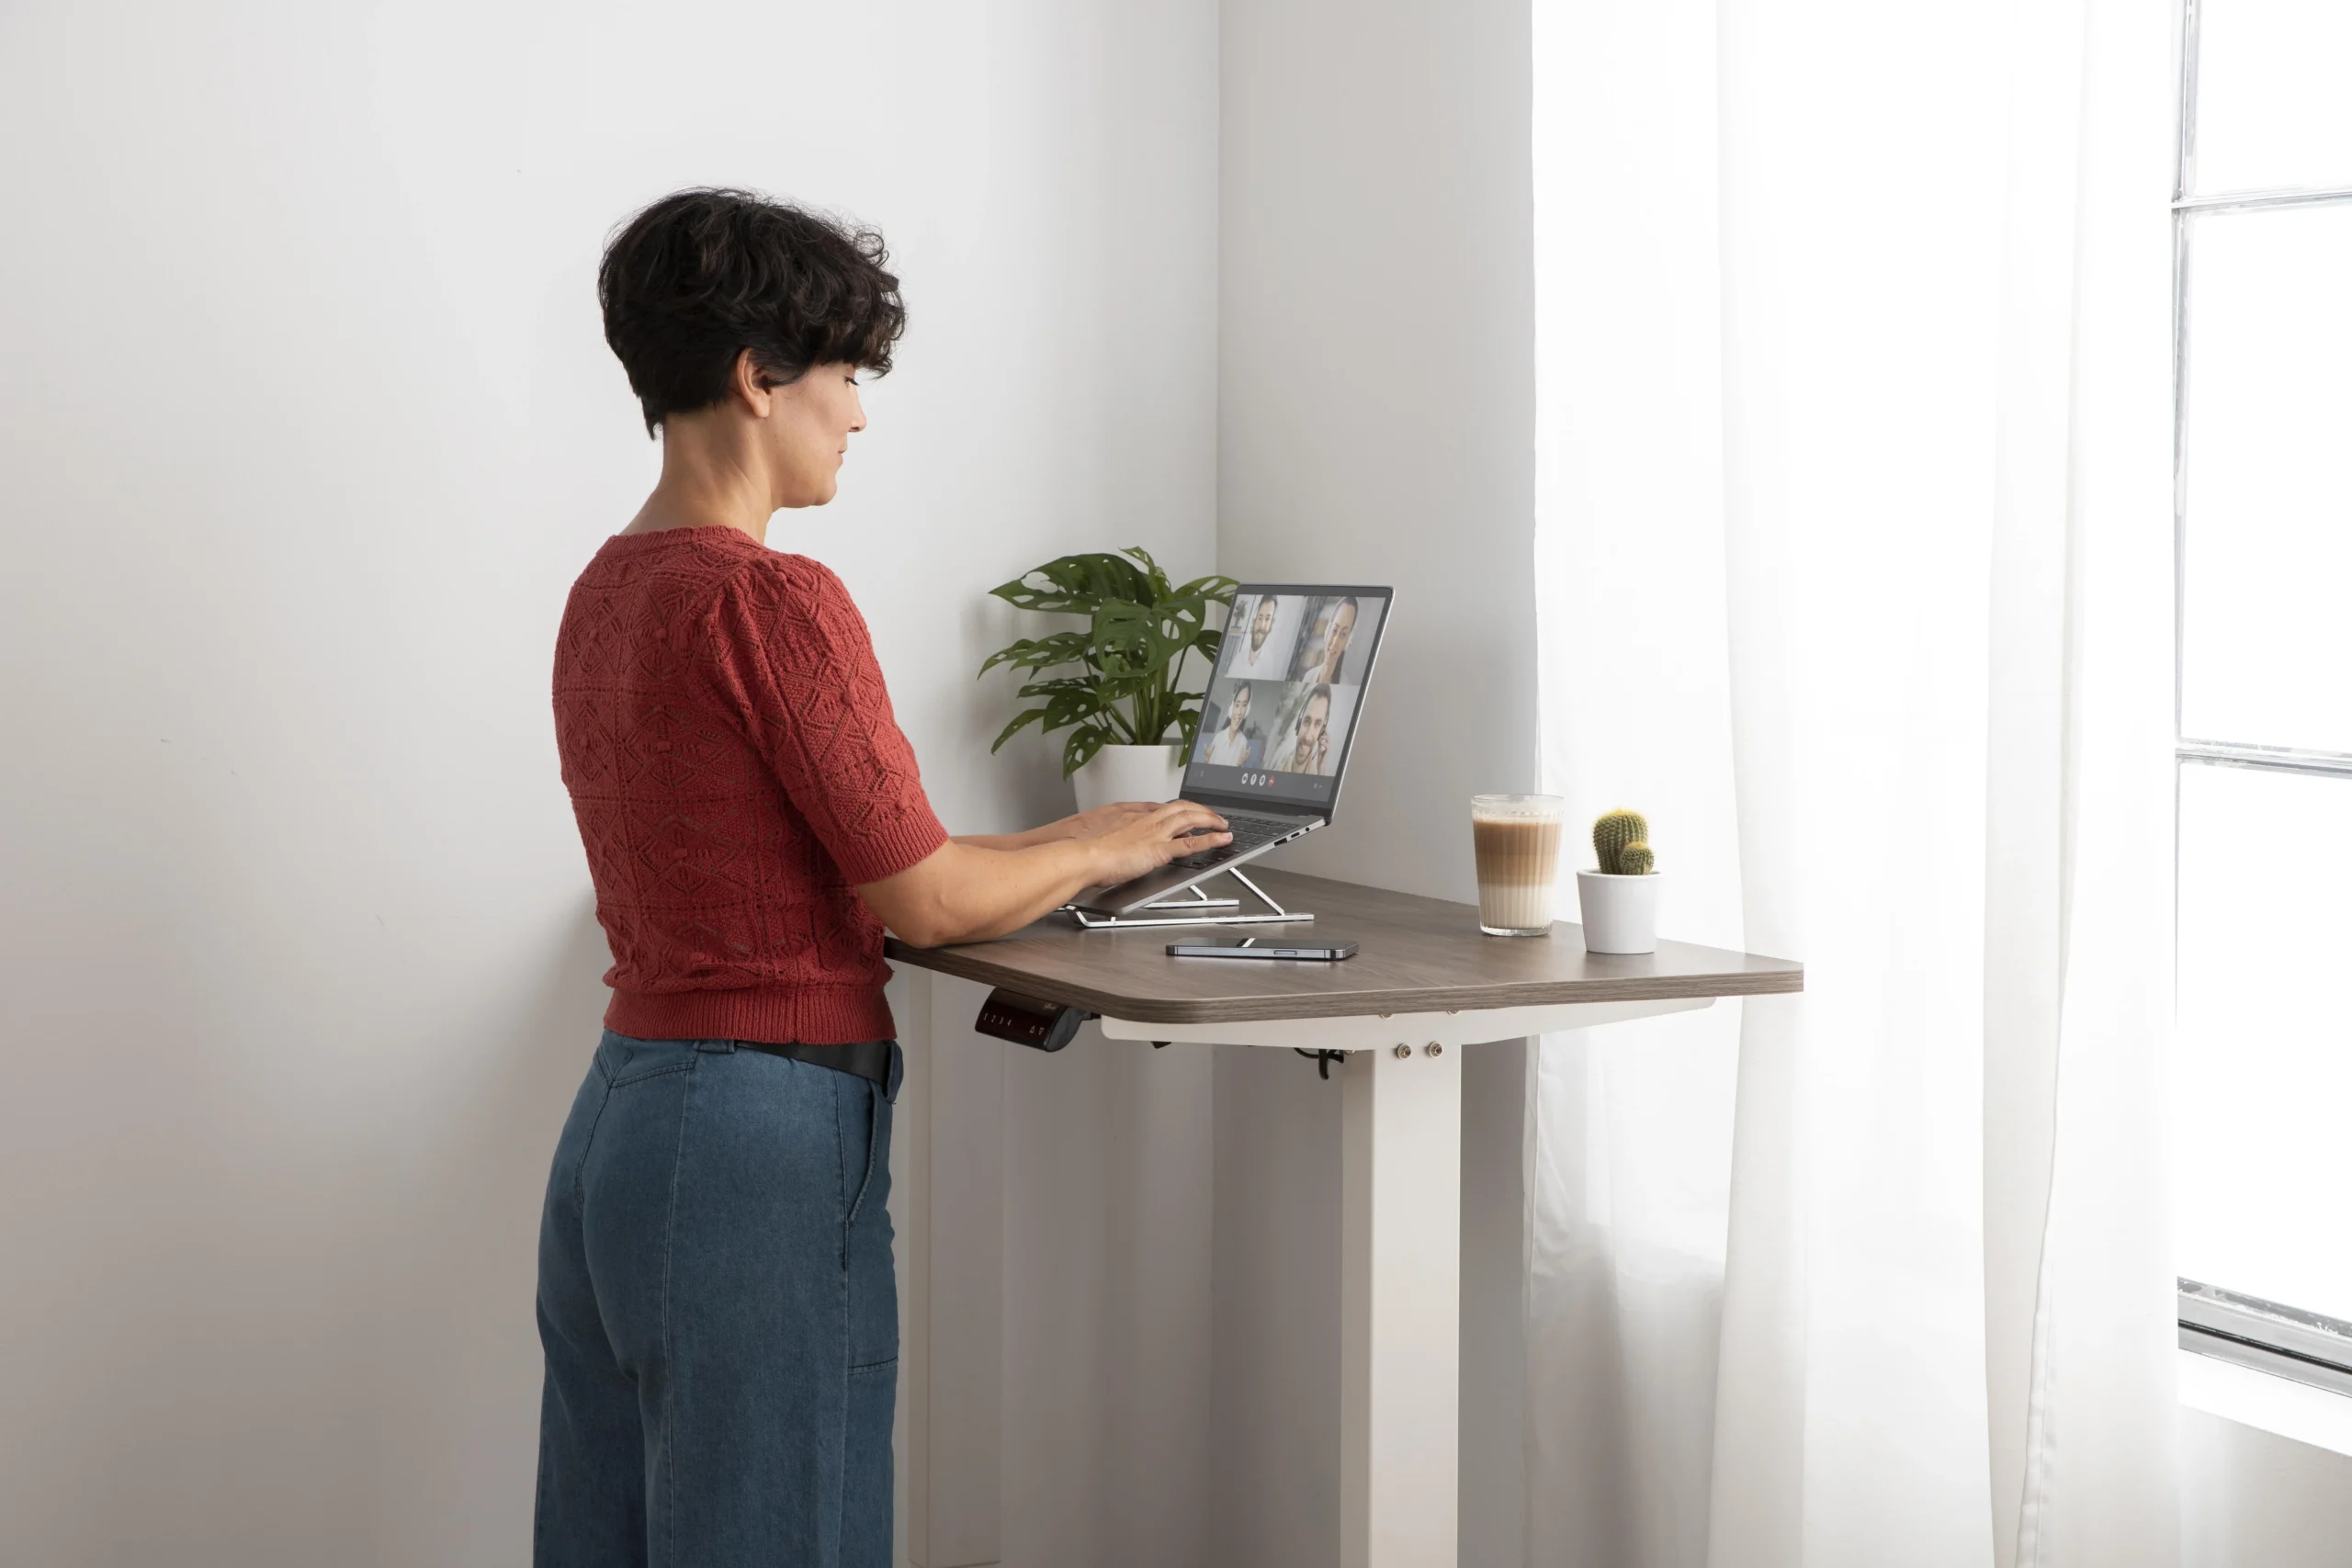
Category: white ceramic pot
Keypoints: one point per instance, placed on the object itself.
(1620, 912)
(1130, 772)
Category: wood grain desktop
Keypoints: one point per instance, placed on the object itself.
(1417, 955)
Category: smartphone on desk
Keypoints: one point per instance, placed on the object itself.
(1259, 947)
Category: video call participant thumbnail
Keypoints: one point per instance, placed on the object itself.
(1260, 653)
(1322, 654)
(1308, 748)
(1232, 744)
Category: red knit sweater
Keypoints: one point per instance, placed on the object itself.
(735, 769)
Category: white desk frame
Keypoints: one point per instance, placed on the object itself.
(1400, 1264)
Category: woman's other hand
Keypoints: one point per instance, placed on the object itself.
(1103, 820)
(1085, 825)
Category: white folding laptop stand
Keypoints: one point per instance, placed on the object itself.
(1425, 985)
(1194, 907)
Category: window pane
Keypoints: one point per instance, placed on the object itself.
(2266, 1041)
(2266, 640)
(2271, 108)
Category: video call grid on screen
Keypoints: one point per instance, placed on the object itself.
(1293, 663)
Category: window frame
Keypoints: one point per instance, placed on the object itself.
(2269, 1336)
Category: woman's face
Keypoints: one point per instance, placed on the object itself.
(806, 428)
(1343, 625)
(1239, 713)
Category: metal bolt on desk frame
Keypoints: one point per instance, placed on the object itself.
(1403, 1050)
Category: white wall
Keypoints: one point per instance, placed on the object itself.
(306, 424)
(1377, 417)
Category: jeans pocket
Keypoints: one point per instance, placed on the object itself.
(876, 1174)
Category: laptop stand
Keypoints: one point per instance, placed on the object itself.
(1199, 910)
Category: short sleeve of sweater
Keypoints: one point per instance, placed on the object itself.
(792, 655)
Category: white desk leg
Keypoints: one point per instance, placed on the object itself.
(1400, 1313)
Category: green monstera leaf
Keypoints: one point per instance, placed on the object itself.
(1141, 628)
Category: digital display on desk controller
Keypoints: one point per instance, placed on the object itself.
(1026, 1020)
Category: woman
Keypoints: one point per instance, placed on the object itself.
(1333, 630)
(716, 1296)
(1229, 747)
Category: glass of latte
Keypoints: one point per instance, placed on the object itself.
(1517, 840)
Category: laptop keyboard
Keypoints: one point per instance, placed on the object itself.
(1249, 833)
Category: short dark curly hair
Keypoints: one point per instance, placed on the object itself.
(702, 275)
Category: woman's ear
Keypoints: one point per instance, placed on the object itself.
(751, 387)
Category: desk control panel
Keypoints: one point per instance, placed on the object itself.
(1026, 1020)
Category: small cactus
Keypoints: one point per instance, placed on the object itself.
(1612, 832)
(1636, 860)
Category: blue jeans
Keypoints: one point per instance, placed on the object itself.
(720, 1312)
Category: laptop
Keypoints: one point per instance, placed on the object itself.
(1282, 712)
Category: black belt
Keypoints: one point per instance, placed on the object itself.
(868, 1059)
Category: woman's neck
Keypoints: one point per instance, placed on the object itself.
(708, 480)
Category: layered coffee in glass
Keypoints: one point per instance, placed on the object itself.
(1517, 840)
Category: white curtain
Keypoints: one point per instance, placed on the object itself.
(1854, 573)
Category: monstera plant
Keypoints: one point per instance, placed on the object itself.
(1118, 681)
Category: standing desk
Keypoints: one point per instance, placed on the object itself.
(1424, 985)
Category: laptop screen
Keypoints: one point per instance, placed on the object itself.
(1287, 696)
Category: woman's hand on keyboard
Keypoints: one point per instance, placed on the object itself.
(1153, 837)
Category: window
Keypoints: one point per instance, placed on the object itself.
(2262, 508)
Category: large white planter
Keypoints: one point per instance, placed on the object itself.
(1130, 772)
(1620, 912)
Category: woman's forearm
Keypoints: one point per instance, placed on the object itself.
(969, 892)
